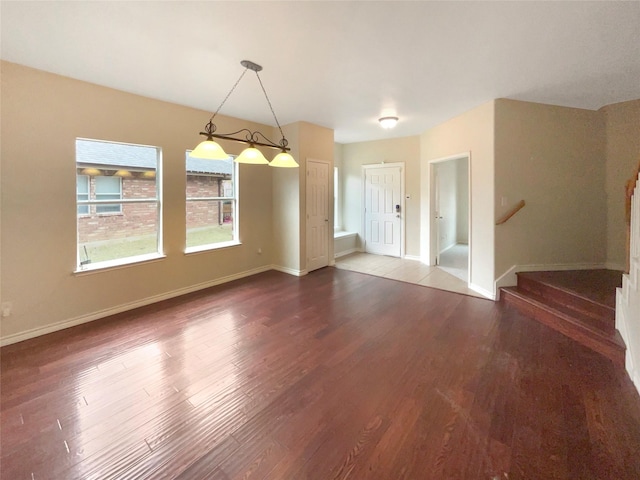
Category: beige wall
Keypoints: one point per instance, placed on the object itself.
(355, 155)
(553, 158)
(42, 114)
(316, 143)
(470, 133)
(286, 207)
(307, 142)
(622, 125)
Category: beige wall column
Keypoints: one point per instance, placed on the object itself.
(470, 133)
(307, 141)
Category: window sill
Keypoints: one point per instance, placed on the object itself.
(342, 234)
(210, 247)
(120, 263)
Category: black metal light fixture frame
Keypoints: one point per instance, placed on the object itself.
(252, 138)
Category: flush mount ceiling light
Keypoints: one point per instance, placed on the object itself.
(211, 150)
(388, 122)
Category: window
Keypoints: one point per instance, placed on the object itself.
(118, 202)
(108, 188)
(82, 192)
(212, 203)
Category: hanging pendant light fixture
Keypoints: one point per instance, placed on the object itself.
(209, 149)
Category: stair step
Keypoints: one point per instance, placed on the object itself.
(589, 319)
(578, 291)
(582, 309)
(569, 324)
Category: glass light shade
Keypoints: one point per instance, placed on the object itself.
(253, 156)
(123, 173)
(388, 122)
(283, 160)
(209, 150)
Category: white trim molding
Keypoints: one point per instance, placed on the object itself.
(90, 317)
(624, 315)
(628, 296)
(290, 271)
(483, 292)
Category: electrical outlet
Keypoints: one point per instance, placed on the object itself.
(6, 308)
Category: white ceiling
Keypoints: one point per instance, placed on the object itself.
(338, 64)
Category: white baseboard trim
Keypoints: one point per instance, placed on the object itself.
(615, 266)
(344, 252)
(482, 291)
(290, 271)
(626, 301)
(623, 329)
(36, 332)
(413, 257)
(509, 278)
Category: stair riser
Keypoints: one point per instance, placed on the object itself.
(601, 345)
(603, 315)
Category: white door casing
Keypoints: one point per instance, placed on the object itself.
(384, 209)
(317, 214)
(435, 214)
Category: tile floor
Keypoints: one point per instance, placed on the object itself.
(413, 271)
(455, 260)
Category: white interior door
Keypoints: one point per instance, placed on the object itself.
(383, 210)
(317, 215)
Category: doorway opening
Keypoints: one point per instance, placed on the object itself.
(450, 214)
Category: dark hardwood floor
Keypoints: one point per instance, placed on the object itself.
(330, 376)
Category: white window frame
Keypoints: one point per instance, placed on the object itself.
(235, 199)
(119, 262)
